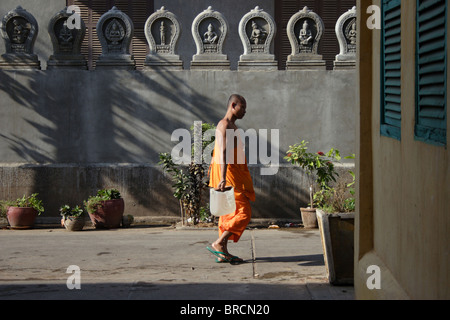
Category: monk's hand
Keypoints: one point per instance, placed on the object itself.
(222, 185)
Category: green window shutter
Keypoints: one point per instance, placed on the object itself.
(391, 69)
(431, 72)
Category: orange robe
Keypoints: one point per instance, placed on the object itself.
(239, 177)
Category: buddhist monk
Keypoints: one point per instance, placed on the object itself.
(229, 168)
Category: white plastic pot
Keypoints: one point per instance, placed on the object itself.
(222, 202)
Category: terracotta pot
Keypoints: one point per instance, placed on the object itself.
(21, 218)
(74, 223)
(108, 215)
(309, 218)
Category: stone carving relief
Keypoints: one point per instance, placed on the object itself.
(347, 35)
(306, 38)
(162, 31)
(350, 36)
(66, 41)
(209, 31)
(115, 31)
(257, 30)
(210, 37)
(258, 38)
(305, 30)
(19, 30)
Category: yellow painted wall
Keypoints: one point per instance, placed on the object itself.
(403, 222)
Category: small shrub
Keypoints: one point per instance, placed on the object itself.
(94, 202)
(67, 211)
(24, 202)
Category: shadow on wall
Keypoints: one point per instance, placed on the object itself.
(77, 131)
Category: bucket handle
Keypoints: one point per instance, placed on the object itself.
(225, 189)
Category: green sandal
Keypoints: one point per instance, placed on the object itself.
(220, 255)
(225, 257)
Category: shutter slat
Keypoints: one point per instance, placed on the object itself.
(432, 113)
(393, 107)
(393, 119)
(393, 90)
(426, 14)
(423, 5)
(393, 31)
(432, 69)
(393, 99)
(393, 40)
(431, 47)
(392, 66)
(391, 50)
(431, 101)
(437, 57)
(432, 24)
(393, 57)
(431, 80)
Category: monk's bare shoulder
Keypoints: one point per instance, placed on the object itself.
(223, 125)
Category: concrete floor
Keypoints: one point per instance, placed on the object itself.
(164, 263)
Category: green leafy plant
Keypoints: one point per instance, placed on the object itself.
(336, 199)
(205, 128)
(205, 214)
(94, 202)
(66, 211)
(31, 201)
(188, 181)
(188, 184)
(109, 194)
(3, 208)
(318, 166)
(339, 198)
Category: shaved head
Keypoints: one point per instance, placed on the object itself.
(235, 98)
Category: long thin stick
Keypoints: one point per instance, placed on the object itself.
(182, 214)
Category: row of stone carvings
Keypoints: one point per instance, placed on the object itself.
(115, 29)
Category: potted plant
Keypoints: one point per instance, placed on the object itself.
(320, 170)
(22, 212)
(336, 220)
(105, 209)
(72, 218)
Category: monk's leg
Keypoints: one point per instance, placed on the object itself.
(232, 226)
(221, 243)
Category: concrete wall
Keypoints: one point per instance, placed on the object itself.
(402, 222)
(66, 134)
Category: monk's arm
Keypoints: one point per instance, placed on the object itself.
(223, 150)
